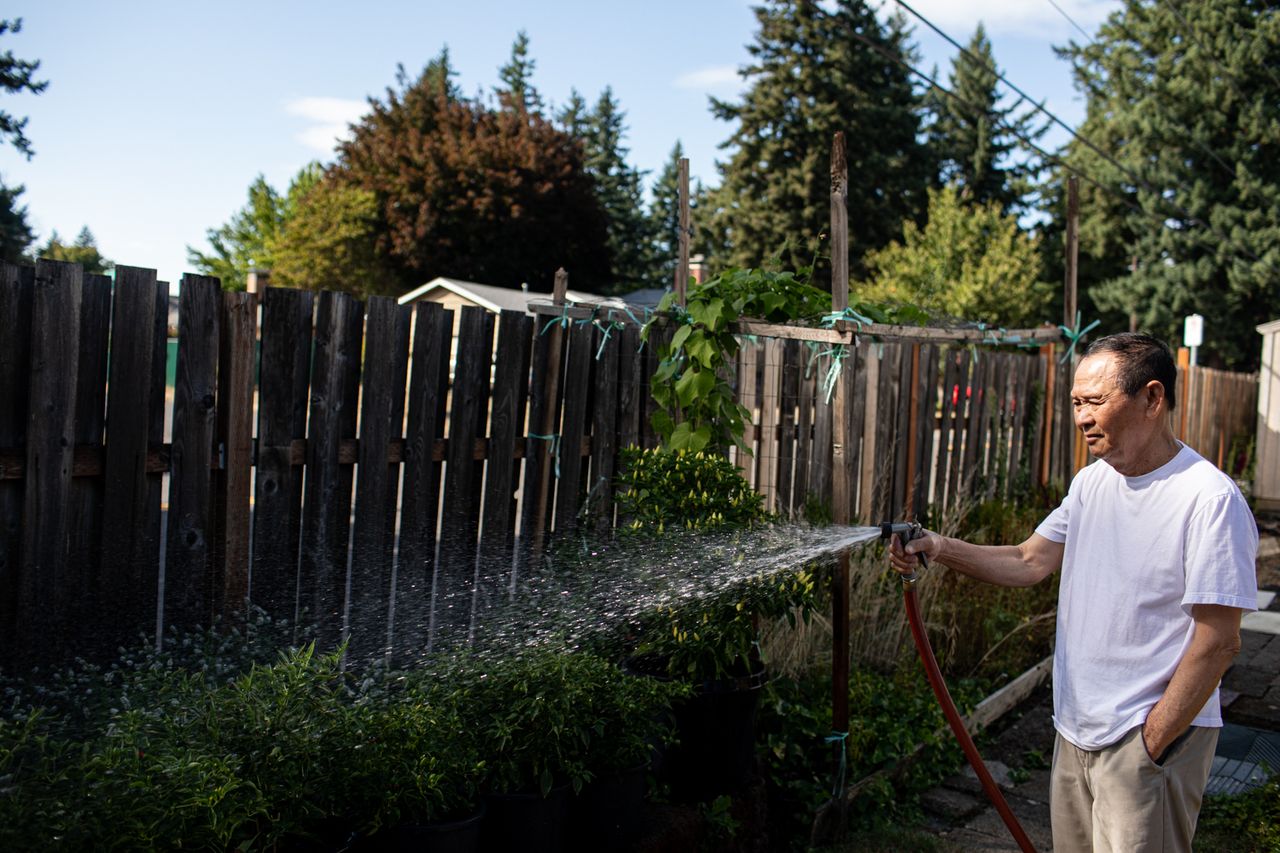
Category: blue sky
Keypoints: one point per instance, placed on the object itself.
(159, 114)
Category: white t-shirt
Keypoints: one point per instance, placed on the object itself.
(1140, 551)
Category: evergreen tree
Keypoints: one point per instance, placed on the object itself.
(15, 232)
(517, 91)
(619, 189)
(17, 76)
(818, 68)
(974, 139)
(572, 118)
(242, 244)
(84, 251)
(1185, 98)
(495, 196)
(971, 261)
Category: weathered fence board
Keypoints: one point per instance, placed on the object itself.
(386, 353)
(506, 429)
(282, 419)
(326, 510)
(45, 590)
(17, 286)
(573, 427)
(233, 476)
(604, 428)
(188, 572)
(428, 383)
(84, 517)
(130, 556)
(460, 517)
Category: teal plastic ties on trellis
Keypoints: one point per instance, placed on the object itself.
(608, 328)
(554, 438)
(840, 739)
(838, 354)
(562, 321)
(829, 321)
(1074, 335)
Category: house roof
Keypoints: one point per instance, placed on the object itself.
(497, 299)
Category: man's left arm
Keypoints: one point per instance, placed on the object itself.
(1214, 644)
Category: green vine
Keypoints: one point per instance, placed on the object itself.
(693, 382)
(693, 385)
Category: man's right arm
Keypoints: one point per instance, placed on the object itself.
(1003, 565)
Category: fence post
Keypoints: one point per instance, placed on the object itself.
(1066, 430)
(548, 424)
(682, 264)
(839, 471)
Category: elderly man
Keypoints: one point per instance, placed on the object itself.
(1157, 550)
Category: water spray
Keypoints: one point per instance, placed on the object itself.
(906, 532)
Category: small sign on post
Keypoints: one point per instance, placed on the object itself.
(1193, 334)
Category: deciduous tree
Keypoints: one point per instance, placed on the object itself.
(466, 191)
(968, 262)
(84, 251)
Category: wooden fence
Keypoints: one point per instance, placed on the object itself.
(353, 466)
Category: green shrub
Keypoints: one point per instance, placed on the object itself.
(1245, 823)
(699, 490)
(545, 717)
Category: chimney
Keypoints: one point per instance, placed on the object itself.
(257, 280)
(698, 268)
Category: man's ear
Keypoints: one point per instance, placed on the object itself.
(1156, 401)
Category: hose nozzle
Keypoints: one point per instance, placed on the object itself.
(906, 531)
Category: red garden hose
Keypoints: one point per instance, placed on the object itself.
(953, 716)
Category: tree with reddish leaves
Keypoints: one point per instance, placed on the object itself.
(466, 191)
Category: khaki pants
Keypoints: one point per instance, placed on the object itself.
(1117, 800)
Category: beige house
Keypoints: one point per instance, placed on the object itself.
(1266, 464)
(453, 294)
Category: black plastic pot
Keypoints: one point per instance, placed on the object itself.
(716, 727)
(609, 813)
(526, 822)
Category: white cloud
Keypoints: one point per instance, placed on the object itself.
(1035, 18)
(715, 77)
(329, 120)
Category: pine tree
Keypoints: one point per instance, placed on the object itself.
(242, 244)
(619, 189)
(17, 76)
(818, 68)
(1185, 98)
(975, 139)
(517, 91)
(15, 231)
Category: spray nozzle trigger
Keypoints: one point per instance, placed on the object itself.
(906, 531)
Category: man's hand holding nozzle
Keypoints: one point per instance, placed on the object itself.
(906, 560)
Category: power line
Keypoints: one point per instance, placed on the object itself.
(1162, 220)
(1137, 179)
(1071, 21)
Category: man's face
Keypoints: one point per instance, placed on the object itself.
(1116, 426)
